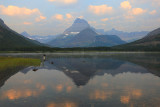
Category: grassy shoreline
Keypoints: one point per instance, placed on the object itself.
(3, 52)
(13, 62)
(80, 49)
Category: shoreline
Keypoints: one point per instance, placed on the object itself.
(75, 53)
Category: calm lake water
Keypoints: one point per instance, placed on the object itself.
(85, 80)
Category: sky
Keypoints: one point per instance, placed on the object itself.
(51, 17)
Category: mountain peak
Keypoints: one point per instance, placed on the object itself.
(77, 26)
(25, 34)
(113, 29)
(78, 20)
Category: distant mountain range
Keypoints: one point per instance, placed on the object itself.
(10, 39)
(80, 34)
(152, 39)
(149, 42)
(108, 38)
(127, 36)
(86, 38)
(41, 39)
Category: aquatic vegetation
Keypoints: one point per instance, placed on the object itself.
(12, 62)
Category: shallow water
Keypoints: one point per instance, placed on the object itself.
(85, 80)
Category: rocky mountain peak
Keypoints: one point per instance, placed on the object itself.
(25, 34)
(78, 20)
(77, 26)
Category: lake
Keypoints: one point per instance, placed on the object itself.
(84, 80)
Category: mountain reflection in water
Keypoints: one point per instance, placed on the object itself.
(81, 70)
(85, 81)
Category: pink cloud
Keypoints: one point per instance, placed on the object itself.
(17, 11)
(100, 9)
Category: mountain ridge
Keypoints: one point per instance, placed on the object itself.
(86, 38)
(127, 36)
(148, 43)
(41, 39)
(10, 39)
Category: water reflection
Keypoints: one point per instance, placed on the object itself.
(19, 92)
(85, 81)
(5, 75)
(81, 70)
(64, 104)
(100, 95)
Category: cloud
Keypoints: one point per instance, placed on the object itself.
(137, 11)
(131, 12)
(69, 16)
(134, 12)
(153, 12)
(81, 17)
(104, 20)
(92, 22)
(67, 2)
(126, 5)
(22, 12)
(100, 10)
(27, 23)
(58, 17)
(17, 11)
(61, 17)
(40, 18)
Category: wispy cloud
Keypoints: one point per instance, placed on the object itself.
(100, 9)
(137, 11)
(17, 11)
(67, 2)
(69, 16)
(40, 18)
(21, 12)
(153, 12)
(27, 23)
(61, 17)
(58, 17)
(131, 11)
(105, 19)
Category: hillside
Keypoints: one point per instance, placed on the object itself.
(153, 38)
(41, 39)
(107, 40)
(9, 39)
(151, 42)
